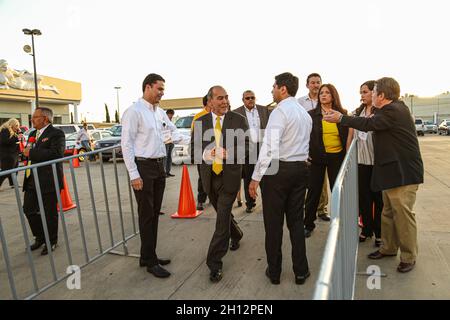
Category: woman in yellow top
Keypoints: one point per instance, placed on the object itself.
(327, 148)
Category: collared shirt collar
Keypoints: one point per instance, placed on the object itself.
(285, 101)
(248, 110)
(41, 131)
(149, 105)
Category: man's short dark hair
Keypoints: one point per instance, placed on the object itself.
(205, 100)
(313, 75)
(289, 81)
(390, 87)
(151, 79)
(170, 111)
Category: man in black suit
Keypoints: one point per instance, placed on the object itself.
(257, 117)
(49, 144)
(219, 147)
(397, 171)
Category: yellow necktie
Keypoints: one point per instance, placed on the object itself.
(28, 171)
(217, 163)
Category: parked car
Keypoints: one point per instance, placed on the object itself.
(183, 125)
(116, 133)
(430, 127)
(71, 141)
(420, 127)
(444, 127)
(68, 129)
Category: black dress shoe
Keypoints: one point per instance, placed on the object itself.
(308, 233)
(378, 255)
(158, 271)
(249, 210)
(200, 206)
(161, 213)
(272, 280)
(239, 203)
(45, 249)
(234, 245)
(161, 262)
(324, 217)
(36, 245)
(216, 275)
(170, 175)
(302, 279)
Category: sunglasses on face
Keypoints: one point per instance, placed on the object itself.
(249, 98)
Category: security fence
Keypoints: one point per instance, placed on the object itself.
(338, 269)
(78, 236)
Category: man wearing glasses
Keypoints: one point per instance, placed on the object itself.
(257, 117)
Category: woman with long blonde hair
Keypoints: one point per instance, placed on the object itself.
(9, 147)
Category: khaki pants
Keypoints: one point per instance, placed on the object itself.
(323, 202)
(398, 223)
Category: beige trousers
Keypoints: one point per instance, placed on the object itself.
(323, 202)
(398, 222)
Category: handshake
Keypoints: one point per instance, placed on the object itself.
(215, 153)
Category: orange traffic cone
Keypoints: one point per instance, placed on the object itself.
(66, 199)
(186, 206)
(76, 161)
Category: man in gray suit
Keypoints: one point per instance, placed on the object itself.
(257, 117)
(219, 145)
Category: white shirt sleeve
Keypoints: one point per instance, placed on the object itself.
(129, 132)
(177, 137)
(271, 143)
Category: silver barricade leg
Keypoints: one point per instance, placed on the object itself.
(94, 209)
(7, 262)
(61, 213)
(131, 204)
(80, 219)
(105, 193)
(25, 234)
(44, 223)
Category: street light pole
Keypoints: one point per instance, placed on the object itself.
(33, 33)
(118, 110)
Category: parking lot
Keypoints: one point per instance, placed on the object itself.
(186, 242)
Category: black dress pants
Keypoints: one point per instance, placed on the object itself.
(248, 172)
(201, 195)
(8, 163)
(284, 194)
(226, 226)
(149, 201)
(32, 212)
(332, 165)
(370, 203)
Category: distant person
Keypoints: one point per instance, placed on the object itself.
(201, 194)
(283, 193)
(9, 148)
(257, 117)
(327, 149)
(309, 102)
(84, 139)
(397, 170)
(221, 172)
(49, 144)
(370, 202)
(169, 144)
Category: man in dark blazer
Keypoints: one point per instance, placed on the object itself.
(219, 147)
(44, 144)
(397, 171)
(257, 117)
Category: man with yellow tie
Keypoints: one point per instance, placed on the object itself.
(219, 143)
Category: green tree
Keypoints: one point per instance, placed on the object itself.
(117, 117)
(108, 119)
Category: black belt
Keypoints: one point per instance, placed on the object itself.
(150, 159)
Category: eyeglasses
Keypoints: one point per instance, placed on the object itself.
(249, 98)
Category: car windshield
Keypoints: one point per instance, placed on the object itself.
(72, 137)
(419, 121)
(116, 131)
(184, 122)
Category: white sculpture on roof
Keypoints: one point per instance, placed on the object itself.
(20, 79)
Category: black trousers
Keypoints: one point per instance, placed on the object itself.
(226, 226)
(32, 212)
(284, 194)
(168, 159)
(247, 175)
(201, 195)
(8, 163)
(333, 162)
(370, 203)
(149, 201)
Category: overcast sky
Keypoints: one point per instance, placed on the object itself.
(238, 44)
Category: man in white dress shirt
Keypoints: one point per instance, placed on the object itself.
(144, 151)
(286, 146)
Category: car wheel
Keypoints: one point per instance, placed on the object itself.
(105, 159)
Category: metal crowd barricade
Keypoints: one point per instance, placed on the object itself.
(102, 251)
(337, 274)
